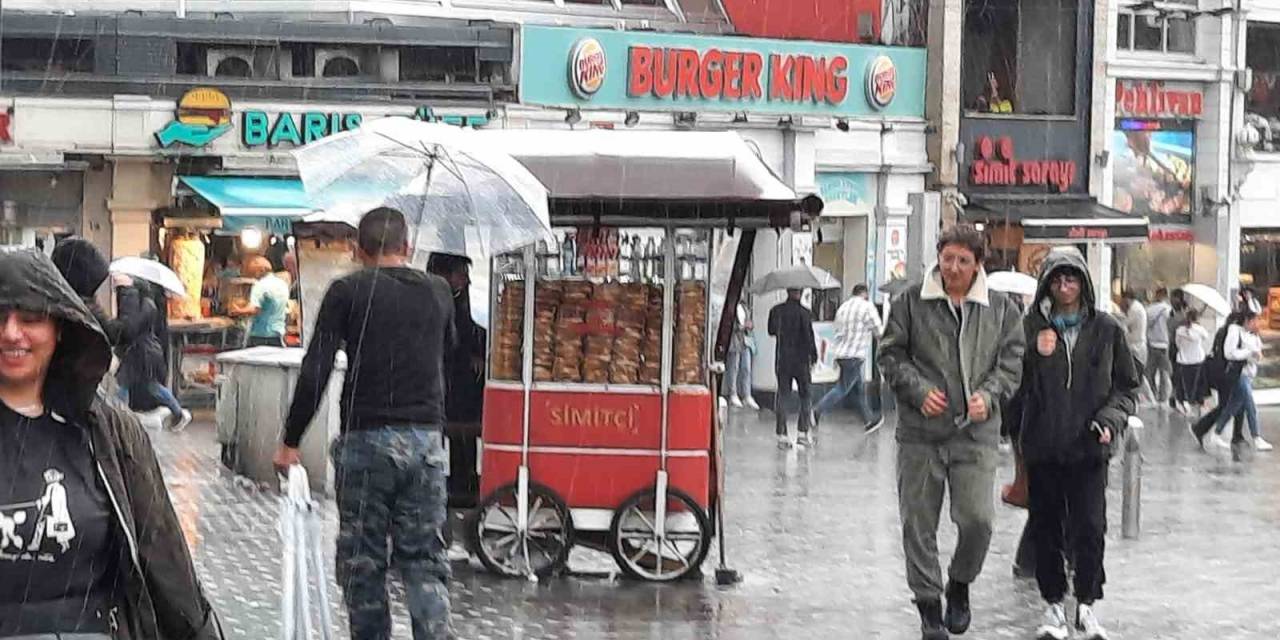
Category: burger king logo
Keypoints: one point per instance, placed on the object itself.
(882, 81)
(586, 67)
(202, 115)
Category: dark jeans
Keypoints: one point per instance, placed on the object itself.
(391, 486)
(1240, 403)
(265, 341)
(1081, 490)
(850, 383)
(1207, 421)
(160, 395)
(1188, 383)
(787, 375)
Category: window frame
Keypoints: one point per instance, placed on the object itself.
(1162, 10)
(966, 112)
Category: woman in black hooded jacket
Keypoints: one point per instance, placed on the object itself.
(143, 365)
(89, 541)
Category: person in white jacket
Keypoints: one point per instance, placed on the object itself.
(1190, 386)
(1243, 344)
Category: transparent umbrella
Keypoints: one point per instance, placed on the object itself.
(799, 277)
(460, 193)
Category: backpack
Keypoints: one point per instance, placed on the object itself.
(1218, 370)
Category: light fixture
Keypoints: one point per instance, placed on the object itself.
(740, 117)
(786, 122)
(251, 238)
(633, 118)
(686, 119)
(842, 124)
(290, 242)
(979, 226)
(573, 117)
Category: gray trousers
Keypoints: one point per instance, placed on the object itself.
(925, 471)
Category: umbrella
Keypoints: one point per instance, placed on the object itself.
(799, 277)
(460, 193)
(1209, 297)
(151, 271)
(1012, 282)
(300, 533)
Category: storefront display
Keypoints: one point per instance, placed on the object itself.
(1154, 168)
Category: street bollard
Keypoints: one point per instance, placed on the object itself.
(1131, 487)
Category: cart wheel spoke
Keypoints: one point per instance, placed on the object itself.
(509, 517)
(535, 508)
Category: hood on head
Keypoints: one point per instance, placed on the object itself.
(30, 281)
(1064, 258)
(83, 266)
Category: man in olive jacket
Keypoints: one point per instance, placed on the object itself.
(952, 353)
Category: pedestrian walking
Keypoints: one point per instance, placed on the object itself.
(464, 381)
(791, 324)
(1190, 385)
(1135, 325)
(857, 327)
(395, 324)
(952, 353)
(1078, 389)
(1177, 317)
(738, 360)
(1241, 348)
(1159, 370)
(90, 545)
(143, 368)
(268, 304)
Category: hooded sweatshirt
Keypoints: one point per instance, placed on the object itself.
(1089, 375)
(85, 269)
(162, 596)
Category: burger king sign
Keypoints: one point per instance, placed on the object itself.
(882, 81)
(587, 67)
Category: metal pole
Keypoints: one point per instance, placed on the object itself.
(1131, 486)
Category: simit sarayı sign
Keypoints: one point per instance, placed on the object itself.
(675, 72)
(994, 164)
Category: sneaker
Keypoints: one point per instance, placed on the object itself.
(752, 404)
(736, 402)
(784, 442)
(182, 422)
(806, 439)
(1054, 624)
(1262, 445)
(1216, 440)
(1191, 428)
(873, 426)
(1087, 624)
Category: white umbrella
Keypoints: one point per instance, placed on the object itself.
(303, 558)
(799, 277)
(1012, 282)
(1209, 297)
(460, 192)
(151, 271)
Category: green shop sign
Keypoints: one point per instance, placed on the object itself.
(259, 128)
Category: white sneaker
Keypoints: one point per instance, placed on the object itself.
(182, 422)
(752, 404)
(806, 439)
(1088, 624)
(1054, 624)
(784, 442)
(1262, 445)
(1216, 440)
(736, 402)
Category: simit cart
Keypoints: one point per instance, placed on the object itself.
(600, 425)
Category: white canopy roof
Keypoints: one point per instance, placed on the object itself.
(676, 165)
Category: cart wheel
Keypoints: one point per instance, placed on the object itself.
(543, 547)
(642, 551)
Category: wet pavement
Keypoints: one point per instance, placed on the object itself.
(815, 534)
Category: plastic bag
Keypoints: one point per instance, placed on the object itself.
(303, 562)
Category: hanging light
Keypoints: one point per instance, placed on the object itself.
(251, 238)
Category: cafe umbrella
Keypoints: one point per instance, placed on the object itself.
(459, 192)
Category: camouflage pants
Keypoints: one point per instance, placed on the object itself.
(391, 486)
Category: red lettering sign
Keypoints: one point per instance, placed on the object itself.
(1172, 235)
(995, 164)
(5, 119)
(1150, 99)
(1088, 233)
(736, 76)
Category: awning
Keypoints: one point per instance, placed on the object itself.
(268, 203)
(610, 173)
(1060, 220)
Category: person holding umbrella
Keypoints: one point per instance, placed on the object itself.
(797, 351)
(952, 353)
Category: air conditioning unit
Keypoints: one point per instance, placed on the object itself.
(339, 62)
(259, 62)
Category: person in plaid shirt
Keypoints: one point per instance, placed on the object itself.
(857, 325)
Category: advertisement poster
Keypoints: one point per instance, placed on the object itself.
(1153, 168)
(895, 251)
(826, 371)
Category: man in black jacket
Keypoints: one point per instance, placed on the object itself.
(464, 382)
(792, 325)
(395, 324)
(1079, 387)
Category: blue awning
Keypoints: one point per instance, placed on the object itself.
(271, 204)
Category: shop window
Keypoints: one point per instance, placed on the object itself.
(1020, 57)
(47, 56)
(1262, 105)
(1159, 31)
